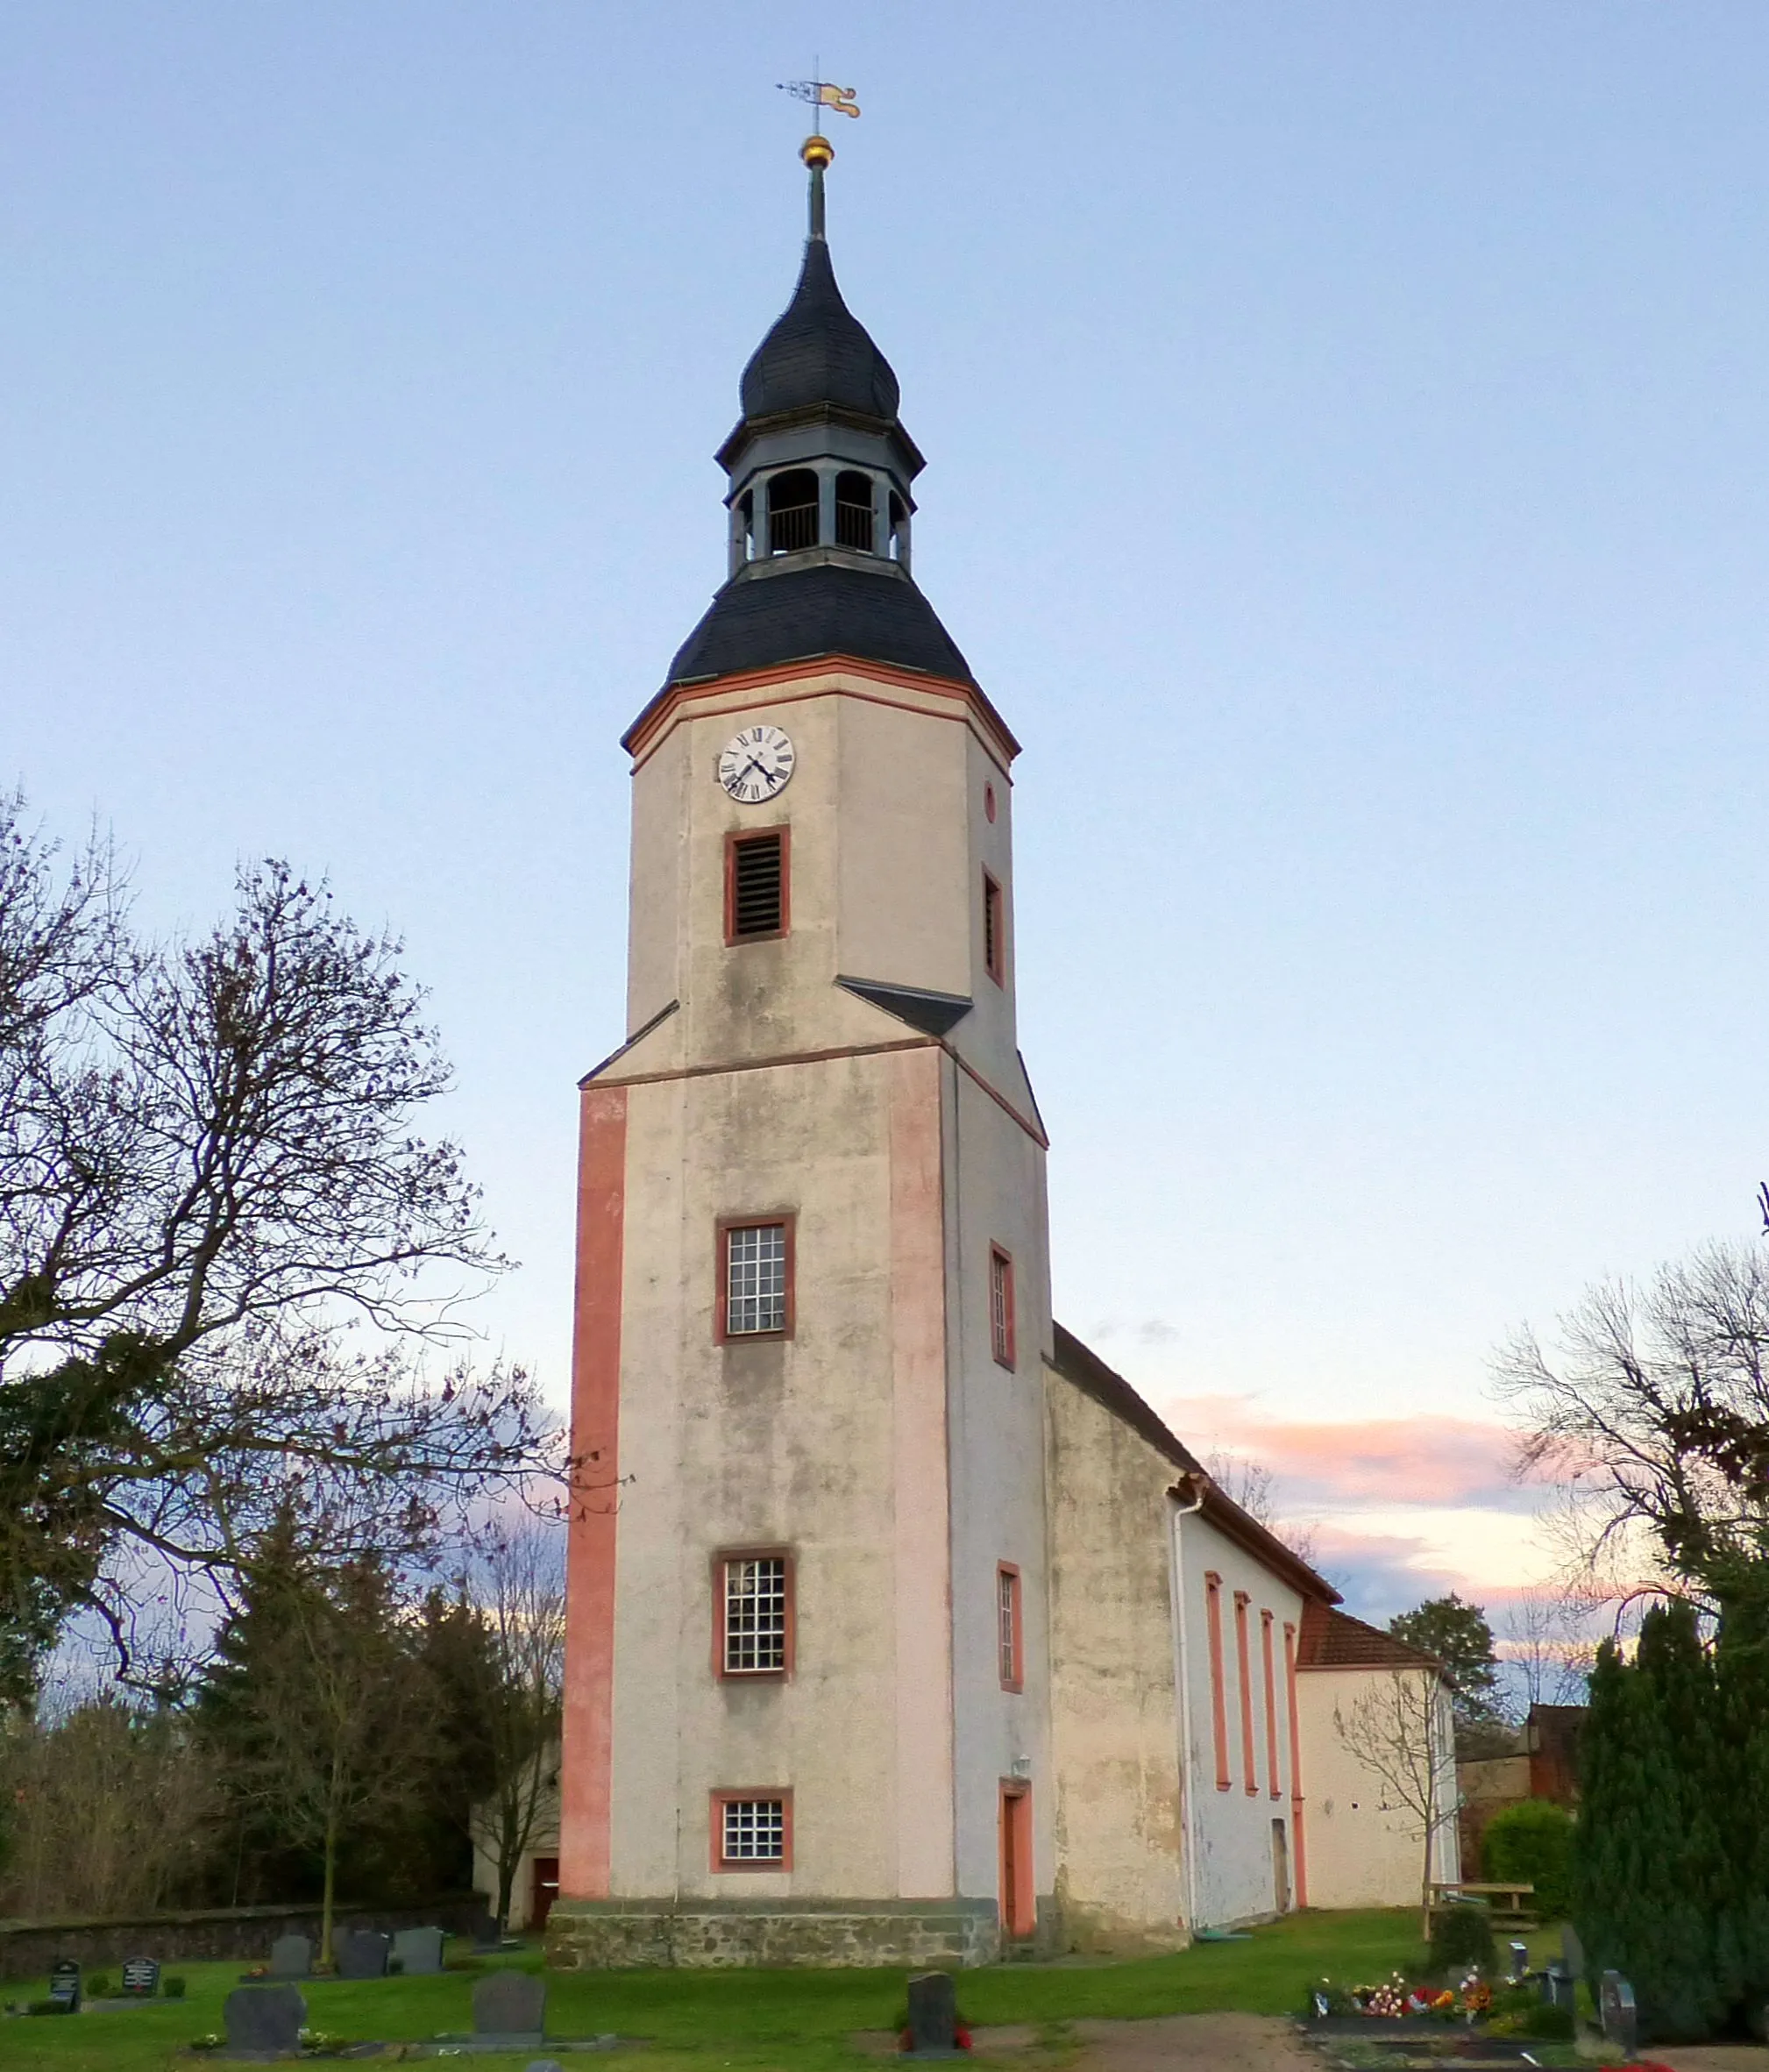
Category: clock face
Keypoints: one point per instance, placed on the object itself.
(755, 765)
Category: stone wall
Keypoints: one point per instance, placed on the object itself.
(28, 1948)
(622, 1934)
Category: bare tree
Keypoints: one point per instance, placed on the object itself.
(111, 1810)
(1400, 1729)
(1548, 1648)
(1653, 1414)
(519, 1601)
(1253, 1485)
(208, 1164)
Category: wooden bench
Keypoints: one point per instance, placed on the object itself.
(1516, 1913)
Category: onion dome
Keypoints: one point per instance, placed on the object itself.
(819, 355)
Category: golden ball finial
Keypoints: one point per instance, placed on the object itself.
(817, 152)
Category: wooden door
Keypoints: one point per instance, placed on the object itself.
(1019, 1909)
(545, 1892)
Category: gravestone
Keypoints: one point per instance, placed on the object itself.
(1520, 1964)
(419, 1951)
(484, 1931)
(1573, 1952)
(291, 1956)
(264, 2019)
(359, 1953)
(1621, 2018)
(933, 2015)
(64, 1985)
(1556, 1986)
(141, 1977)
(512, 2004)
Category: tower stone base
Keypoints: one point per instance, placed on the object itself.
(624, 1934)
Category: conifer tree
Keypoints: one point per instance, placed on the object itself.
(1649, 1869)
(1740, 1789)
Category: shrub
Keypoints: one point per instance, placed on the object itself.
(1552, 2024)
(99, 1987)
(171, 1988)
(1533, 1842)
(49, 2007)
(1461, 1935)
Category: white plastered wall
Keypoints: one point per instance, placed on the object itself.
(1233, 1875)
(1366, 1848)
(1121, 1883)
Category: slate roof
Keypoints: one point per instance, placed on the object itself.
(819, 352)
(1332, 1640)
(799, 613)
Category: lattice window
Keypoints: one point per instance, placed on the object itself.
(756, 1615)
(1007, 1625)
(754, 1830)
(754, 1279)
(1001, 1305)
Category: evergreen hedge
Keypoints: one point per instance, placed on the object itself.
(1671, 1847)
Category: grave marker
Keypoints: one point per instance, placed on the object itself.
(264, 2019)
(1520, 1964)
(359, 1953)
(291, 1956)
(64, 1985)
(933, 2015)
(485, 1931)
(419, 1951)
(141, 1977)
(1620, 2017)
(510, 2004)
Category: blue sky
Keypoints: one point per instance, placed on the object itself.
(1348, 447)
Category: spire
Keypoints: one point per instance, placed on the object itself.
(817, 151)
(820, 498)
(818, 354)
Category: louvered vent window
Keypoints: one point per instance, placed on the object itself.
(758, 892)
(994, 958)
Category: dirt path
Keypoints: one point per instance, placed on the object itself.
(1207, 2042)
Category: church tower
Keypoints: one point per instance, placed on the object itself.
(807, 1710)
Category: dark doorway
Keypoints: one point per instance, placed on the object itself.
(546, 1890)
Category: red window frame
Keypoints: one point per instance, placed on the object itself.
(722, 1797)
(733, 841)
(1010, 1645)
(994, 930)
(1002, 1337)
(721, 1558)
(783, 1218)
(1218, 1705)
(1273, 1783)
(1243, 1666)
(1298, 1849)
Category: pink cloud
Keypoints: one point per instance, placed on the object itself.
(1376, 1461)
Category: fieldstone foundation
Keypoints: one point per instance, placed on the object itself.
(623, 1934)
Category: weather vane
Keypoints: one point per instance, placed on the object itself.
(817, 151)
(821, 95)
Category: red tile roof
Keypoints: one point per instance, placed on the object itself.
(1332, 1640)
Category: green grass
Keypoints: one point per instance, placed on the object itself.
(705, 2021)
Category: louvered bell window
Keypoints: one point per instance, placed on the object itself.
(757, 888)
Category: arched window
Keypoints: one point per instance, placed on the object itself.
(854, 510)
(792, 511)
